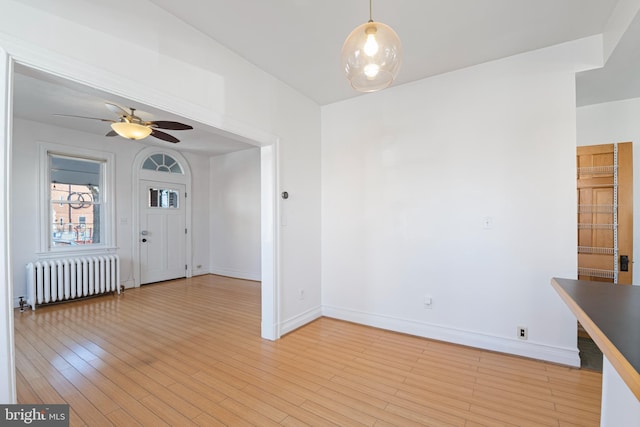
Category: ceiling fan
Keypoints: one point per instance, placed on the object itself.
(130, 126)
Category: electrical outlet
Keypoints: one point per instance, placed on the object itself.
(522, 333)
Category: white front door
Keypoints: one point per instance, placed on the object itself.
(162, 231)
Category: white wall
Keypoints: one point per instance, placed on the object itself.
(615, 122)
(200, 213)
(409, 176)
(619, 406)
(25, 215)
(235, 214)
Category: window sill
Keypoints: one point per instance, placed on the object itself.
(77, 251)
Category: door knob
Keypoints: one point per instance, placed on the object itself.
(144, 232)
(144, 240)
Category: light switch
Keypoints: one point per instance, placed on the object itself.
(428, 301)
(487, 223)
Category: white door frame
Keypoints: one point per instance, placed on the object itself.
(7, 349)
(17, 51)
(139, 174)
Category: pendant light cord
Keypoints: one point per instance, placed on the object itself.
(370, 14)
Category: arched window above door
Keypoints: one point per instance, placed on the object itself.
(161, 162)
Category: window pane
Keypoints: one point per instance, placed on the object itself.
(153, 198)
(158, 158)
(159, 198)
(149, 165)
(162, 163)
(172, 199)
(75, 201)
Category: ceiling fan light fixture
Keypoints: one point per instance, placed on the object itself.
(371, 56)
(131, 130)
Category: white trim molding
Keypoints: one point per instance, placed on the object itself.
(270, 238)
(300, 320)
(228, 272)
(7, 349)
(107, 203)
(561, 355)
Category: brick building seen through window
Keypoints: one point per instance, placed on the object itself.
(73, 213)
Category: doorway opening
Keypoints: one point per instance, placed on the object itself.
(604, 185)
(162, 211)
(70, 79)
(605, 213)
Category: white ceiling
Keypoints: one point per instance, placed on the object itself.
(299, 42)
(38, 96)
(620, 78)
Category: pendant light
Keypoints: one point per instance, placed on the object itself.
(371, 56)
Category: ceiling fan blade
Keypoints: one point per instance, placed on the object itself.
(112, 133)
(164, 136)
(116, 109)
(85, 117)
(163, 124)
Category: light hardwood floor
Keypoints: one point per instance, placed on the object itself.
(188, 352)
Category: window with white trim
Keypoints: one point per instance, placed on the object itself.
(74, 188)
(161, 162)
(76, 215)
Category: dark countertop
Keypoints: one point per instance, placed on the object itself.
(611, 315)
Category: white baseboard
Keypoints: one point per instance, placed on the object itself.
(564, 356)
(128, 284)
(237, 274)
(300, 320)
(198, 272)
